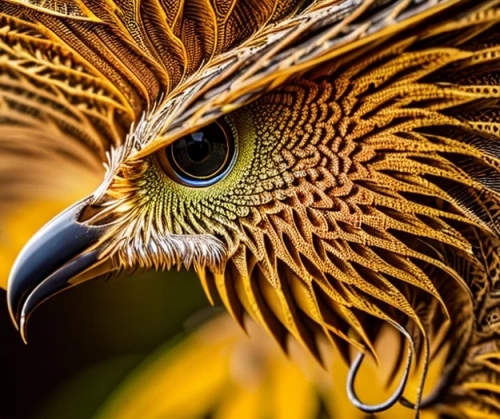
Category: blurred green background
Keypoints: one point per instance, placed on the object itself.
(83, 342)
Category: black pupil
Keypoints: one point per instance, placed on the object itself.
(202, 154)
(198, 149)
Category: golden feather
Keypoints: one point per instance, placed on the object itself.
(364, 184)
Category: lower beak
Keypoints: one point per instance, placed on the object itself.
(63, 253)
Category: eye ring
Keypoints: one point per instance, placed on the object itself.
(201, 158)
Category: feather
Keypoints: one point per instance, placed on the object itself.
(365, 191)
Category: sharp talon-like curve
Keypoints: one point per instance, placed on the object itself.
(396, 397)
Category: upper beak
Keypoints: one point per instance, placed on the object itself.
(62, 254)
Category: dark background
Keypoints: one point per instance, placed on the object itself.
(83, 342)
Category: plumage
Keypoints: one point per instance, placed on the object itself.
(363, 187)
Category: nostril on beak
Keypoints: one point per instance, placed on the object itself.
(96, 215)
(89, 212)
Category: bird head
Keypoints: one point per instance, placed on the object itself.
(326, 174)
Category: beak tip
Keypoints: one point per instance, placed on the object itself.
(23, 329)
(58, 252)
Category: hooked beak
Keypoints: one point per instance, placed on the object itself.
(64, 253)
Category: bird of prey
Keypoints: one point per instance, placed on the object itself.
(328, 167)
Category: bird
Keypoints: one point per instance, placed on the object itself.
(329, 168)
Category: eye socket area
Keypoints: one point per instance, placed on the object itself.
(200, 158)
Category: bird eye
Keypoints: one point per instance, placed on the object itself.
(202, 157)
